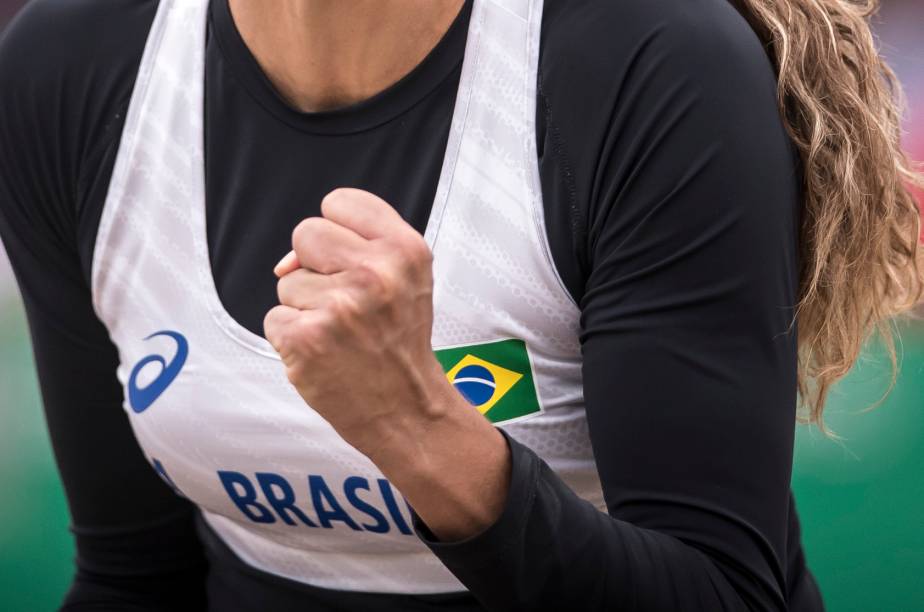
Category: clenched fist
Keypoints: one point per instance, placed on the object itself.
(353, 329)
(355, 316)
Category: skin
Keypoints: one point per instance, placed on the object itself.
(356, 310)
(354, 322)
(353, 330)
(326, 54)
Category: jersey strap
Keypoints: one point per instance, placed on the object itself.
(209, 401)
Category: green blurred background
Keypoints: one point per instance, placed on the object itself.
(861, 498)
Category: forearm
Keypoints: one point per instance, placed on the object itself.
(453, 469)
(549, 549)
(514, 533)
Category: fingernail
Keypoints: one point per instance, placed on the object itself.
(288, 260)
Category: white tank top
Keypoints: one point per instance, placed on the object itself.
(209, 401)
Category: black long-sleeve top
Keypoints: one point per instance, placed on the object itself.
(672, 198)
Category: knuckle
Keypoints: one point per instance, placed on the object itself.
(375, 279)
(337, 197)
(284, 290)
(295, 372)
(292, 288)
(304, 232)
(288, 344)
(274, 328)
(414, 252)
(301, 332)
(419, 249)
(342, 305)
(300, 231)
(321, 340)
(367, 272)
(294, 344)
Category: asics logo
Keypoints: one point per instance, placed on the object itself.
(141, 398)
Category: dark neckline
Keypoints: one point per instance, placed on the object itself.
(443, 61)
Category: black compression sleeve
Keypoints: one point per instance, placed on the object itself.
(683, 185)
(689, 360)
(136, 544)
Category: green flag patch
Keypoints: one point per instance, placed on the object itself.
(495, 377)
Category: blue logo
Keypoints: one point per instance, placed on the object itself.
(141, 399)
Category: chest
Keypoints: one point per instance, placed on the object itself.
(267, 166)
(207, 397)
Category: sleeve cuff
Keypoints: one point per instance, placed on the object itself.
(486, 547)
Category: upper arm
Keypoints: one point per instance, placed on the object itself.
(692, 205)
(49, 128)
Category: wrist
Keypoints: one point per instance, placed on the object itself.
(450, 463)
(413, 441)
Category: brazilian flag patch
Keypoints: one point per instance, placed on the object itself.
(495, 377)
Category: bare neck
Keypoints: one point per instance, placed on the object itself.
(326, 54)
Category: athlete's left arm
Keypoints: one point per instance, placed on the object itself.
(689, 360)
(691, 197)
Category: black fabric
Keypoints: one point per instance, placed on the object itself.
(672, 204)
(234, 585)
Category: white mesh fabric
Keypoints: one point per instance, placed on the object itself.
(231, 408)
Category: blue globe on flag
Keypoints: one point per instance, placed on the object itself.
(475, 383)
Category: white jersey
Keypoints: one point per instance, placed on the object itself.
(209, 401)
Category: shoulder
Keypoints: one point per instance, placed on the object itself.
(68, 62)
(602, 44)
(662, 100)
(617, 76)
(66, 68)
(609, 33)
(54, 38)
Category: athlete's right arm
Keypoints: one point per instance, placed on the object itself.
(65, 73)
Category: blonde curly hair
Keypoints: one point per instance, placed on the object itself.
(861, 259)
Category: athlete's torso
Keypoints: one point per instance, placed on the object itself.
(208, 399)
(649, 117)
